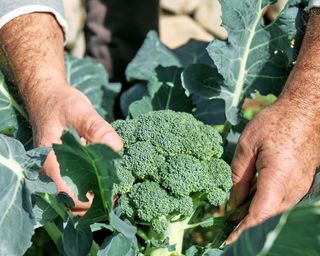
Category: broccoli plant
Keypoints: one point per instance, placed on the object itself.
(170, 166)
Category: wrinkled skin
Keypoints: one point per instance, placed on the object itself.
(282, 143)
(285, 152)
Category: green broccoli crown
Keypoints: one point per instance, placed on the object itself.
(169, 158)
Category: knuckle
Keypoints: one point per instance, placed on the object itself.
(236, 178)
(261, 216)
(96, 126)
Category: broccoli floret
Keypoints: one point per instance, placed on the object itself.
(126, 179)
(219, 171)
(170, 165)
(160, 225)
(181, 175)
(127, 206)
(150, 200)
(143, 160)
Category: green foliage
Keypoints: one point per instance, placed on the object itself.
(88, 168)
(170, 172)
(19, 183)
(95, 84)
(257, 58)
(276, 235)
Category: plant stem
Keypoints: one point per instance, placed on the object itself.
(53, 231)
(226, 129)
(94, 249)
(175, 234)
(143, 235)
(53, 202)
(56, 235)
(190, 226)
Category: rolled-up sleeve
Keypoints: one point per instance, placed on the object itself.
(313, 3)
(14, 8)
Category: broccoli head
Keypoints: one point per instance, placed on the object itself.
(170, 165)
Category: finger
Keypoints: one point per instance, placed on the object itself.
(266, 203)
(96, 130)
(273, 11)
(243, 171)
(81, 208)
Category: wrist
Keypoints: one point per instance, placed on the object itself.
(43, 97)
(301, 111)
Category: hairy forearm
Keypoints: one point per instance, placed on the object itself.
(303, 86)
(32, 56)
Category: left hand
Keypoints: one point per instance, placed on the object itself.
(282, 145)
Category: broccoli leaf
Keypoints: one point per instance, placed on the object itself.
(168, 95)
(151, 55)
(77, 239)
(9, 109)
(140, 107)
(92, 80)
(254, 55)
(131, 95)
(276, 235)
(88, 168)
(14, 119)
(124, 227)
(171, 94)
(119, 245)
(192, 52)
(16, 189)
(44, 210)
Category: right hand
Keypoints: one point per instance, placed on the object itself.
(53, 111)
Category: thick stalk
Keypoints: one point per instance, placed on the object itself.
(175, 233)
(53, 231)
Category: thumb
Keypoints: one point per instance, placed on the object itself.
(243, 171)
(97, 130)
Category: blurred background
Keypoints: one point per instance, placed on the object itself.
(112, 31)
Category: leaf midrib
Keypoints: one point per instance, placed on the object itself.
(243, 61)
(17, 170)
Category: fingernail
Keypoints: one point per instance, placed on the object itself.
(113, 140)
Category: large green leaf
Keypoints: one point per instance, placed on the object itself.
(167, 94)
(88, 168)
(171, 94)
(119, 245)
(192, 52)
(134, 93)
(77, 239)
(18, 182)
(140, 107)
(92, 80)
(254, 56)
(8, 109)
(151, 55)
(13, 118)
(294, 233)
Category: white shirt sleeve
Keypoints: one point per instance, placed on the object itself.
(313, 3)
(15, 8)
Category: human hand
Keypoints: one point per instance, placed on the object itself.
(52, 113)
(281, 144)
